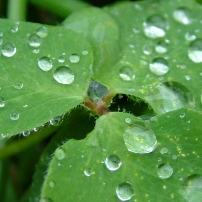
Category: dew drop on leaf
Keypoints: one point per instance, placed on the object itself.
(74, 58)
(15, 27)
(2, 102)
(42, 32)
(60, 154)
(164, 150)
(126, 73)
(56, 121)
(34, 41)
(45, 63)
(14, 116)
(182, 15)
(64, 75)
(164, 171)
(128, 121)
(18, 86)
(51, 184)
(155, 27)
(8, 50)
(88, 172)
(159, 66)
(113, 163)
(84, 52)
(161, 48)
(140, 140)
(124, 191)
(195, 51)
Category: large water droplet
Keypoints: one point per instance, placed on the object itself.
(60, 154)
(165, 171)
(8, 50)
(34, 41)
(14, 116)
(155, 27)
(2, 102)
(140, 140)
(182, 15)
(159, 66)
(74, 58)
(193, 189)
(113, 162)
(124, 191)
(45, 63)
(126, 73)
(195, 51)
(42, 32)
(64, 75)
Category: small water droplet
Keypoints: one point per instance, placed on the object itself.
(14, 116)
(161, 48)
(74, 58)
(195, 51)
(128, 121)
(18, 86)
(2, 102)
(56, 121)
(113, 163)
(155, 27)
(8, 50)
(190, 36)
(140, 140)
(60, 154)
(126, 73)
(88, 172)
(64, 75)
(61, 59)
(164, 150)
(159, 66)
(84, 52)
(42, 32)
(45, 63)
(34, 41)
(192, 191)
(164, 171)
(51, 184)
(15, 27)
(124, 191)
(182, 15)
(26, 133)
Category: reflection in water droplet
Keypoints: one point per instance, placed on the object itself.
(159, 66)
(192, 191)
(45, 63)
(64, 75)
(14, 116)
(126, 73)
(182, 15)
(42, 32)
(34, 41)
(60, 154)
(113, 162)
(164, 171)
(2, 102)
(155, 27)
(124, 191)
(8, 50)
(169, 97)
(74, 58)
(140, 140)
(195, 51)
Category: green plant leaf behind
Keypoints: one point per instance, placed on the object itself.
(103, 33)
(160, 53)
(43, 74)
(127, 158)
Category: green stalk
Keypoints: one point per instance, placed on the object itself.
(62, 8)
(17, 10)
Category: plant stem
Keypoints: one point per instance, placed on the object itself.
(19, 146)
(17, 10)
(60, 7)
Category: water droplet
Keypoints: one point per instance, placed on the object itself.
(126, 73)
(56, 121)
(34, 41)
(161, 48)
(61, 59)
(74, 58)
(60, 154)
(192, 191)
(64, 75)
(26, 133)
(88, 172)
(84, 52)
(190, 36)
(51, 184)
(195, 51)
(45, 63)
(128, 121)
(113, 163)
(124, 191)
(155, 27)
(15, 27)
(182, 15)
(164, 150)
(140, 140)
(42, 32)
(14, 116)
(18, 85)
(2, 102)
(159, 66)
(164, 171)
(8, 50)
